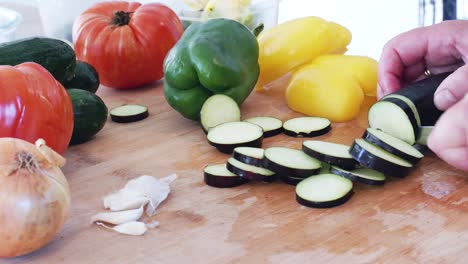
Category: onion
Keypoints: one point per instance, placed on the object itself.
(34, 196)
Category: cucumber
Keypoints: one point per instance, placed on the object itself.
(85, 78)
(90, 115)
(405, 113)
(53, 54)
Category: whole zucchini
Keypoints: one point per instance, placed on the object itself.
(55, 55)
(90, 115)
(85, 78)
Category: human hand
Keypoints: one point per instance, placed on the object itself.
(439, 48)
(449, 139)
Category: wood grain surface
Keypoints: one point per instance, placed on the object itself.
(419, 219)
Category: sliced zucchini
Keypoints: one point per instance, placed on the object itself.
(416, 103)
(288, 162)
(271, 126)
(249, 172)
(325, 168)
(425, 131)
(291, 180)
(421, 93)
(129, 113)
(324, 191)
(228, 136)
(362, 175)
(328, 152)
(218, 109)
(218, 176)
(407, 102)
(374, 157)
(248, 155)
(395, 118)
(307, 126)
(393, 145)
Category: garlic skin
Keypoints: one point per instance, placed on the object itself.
(137, 193)
(156, 190)
(34, 197)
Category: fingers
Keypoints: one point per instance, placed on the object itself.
(449, 139)
(406, 57)
(452, 89)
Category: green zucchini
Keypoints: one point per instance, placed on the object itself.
(53, 54)
(85, 78)
(90, 115)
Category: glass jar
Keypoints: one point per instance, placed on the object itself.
(57, 16)
(9, 22)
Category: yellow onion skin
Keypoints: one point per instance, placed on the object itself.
(34, 196)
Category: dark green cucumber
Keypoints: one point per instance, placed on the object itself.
(85, 78)
(53, 54)
(90, 115)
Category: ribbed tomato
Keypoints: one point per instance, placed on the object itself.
(126, 42)
(34, 105)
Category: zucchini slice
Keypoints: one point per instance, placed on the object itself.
(271, 126)
(288, 162)
(416, 103)
(248, 155)
(218, 176)
(328, 152)
(362, 175)
(395, 118)
(393, 145)
(249, 172)
(325, 168)
(425, 131)
(374, 157)
(228, 136)
(129, 113)
(218, 109)
(292, 180)
(408, 102)
(324, 191)
(307, 126)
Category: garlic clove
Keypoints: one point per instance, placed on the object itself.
(134, 228)
(117, 218)
(124, 200)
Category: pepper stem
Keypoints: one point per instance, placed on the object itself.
(121, 18)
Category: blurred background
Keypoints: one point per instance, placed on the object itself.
(372, 22)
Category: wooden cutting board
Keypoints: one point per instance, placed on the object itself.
(420, 219)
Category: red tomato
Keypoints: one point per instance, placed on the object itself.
(126, 42)
(34, 105)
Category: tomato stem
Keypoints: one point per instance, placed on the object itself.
(121, 18)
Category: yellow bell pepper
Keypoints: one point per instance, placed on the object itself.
(332, 86)
(294, 43)
(362, 68)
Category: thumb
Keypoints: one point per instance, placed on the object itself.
(449, 139)
(452, 89)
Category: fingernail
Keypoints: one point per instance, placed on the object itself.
(444, 99)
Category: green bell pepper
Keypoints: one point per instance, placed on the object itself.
(219, 56)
